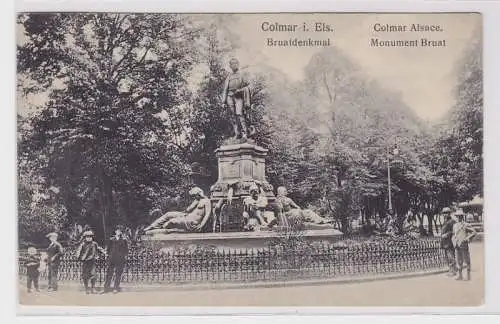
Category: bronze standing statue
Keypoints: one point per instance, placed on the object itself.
(236, 97)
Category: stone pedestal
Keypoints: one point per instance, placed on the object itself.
(241, 165)
(234, 241)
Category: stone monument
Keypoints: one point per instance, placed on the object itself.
(241, 182)
(241, 162)
(240, 167)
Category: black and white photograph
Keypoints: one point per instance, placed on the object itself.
(249, 159)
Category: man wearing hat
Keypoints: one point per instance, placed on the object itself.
(88, 253)
(462, 234)
(54, 254)
(117, 251)
(446, 243)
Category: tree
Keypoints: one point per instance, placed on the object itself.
(465, 135)
(355, 122)
(113, 127)
(39, 207)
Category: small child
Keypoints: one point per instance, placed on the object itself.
(32, 265)
(87, 253)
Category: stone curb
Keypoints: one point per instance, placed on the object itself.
(263, 284)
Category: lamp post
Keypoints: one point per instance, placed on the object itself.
(390, 155)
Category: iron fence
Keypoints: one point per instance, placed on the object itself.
(153, 265)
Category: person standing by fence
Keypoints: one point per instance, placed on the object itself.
(54, 253)
(462, 234)
(117, 250)
(32, 272)
(88, 253)
(446, 243)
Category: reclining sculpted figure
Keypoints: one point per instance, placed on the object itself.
(190, 220)
(292, 210)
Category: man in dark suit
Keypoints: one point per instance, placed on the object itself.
(54, 254)
(117, 251)
(447, 245)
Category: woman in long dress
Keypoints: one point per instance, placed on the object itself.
(292, 210)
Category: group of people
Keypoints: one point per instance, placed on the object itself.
(87, 253)
(456, 235)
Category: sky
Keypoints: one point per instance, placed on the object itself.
(425, 77)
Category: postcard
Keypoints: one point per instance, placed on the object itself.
(250, 159)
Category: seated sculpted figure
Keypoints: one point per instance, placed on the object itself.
(254, 210)
(292, 210)
(191, 220)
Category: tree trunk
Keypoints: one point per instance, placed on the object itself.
(325, 82)
(106, 201)
(437, 225)
(421, 227)
(430, 221)
(345, 225)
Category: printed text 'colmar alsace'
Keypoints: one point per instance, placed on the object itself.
(390, 32)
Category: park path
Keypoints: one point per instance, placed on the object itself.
(432, 290)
